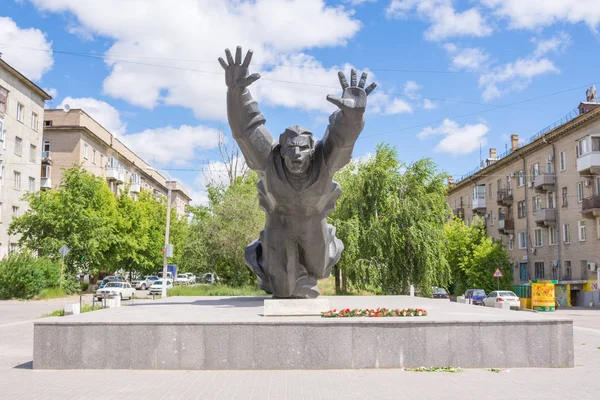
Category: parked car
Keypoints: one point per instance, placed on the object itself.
(121, 289)
(210, 278)
(502, 296)
(111, 278)
(145, 283)
(440, 293)
(475, 296)
(182, 279)
(157, 286)
(191, 278)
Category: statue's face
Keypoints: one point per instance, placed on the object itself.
(297, 153)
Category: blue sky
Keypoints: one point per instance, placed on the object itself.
(453, 76)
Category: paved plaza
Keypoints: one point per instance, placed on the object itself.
(19, 381)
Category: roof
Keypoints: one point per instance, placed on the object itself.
(41, 92)
(535, 143)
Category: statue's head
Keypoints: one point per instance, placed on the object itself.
(297, 149)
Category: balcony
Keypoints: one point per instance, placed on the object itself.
(506, 226)
(479, 205)
(544, 183)
(134, 188)
(591, 206)
(589, 164)
(113, 174)
(545, 217)
(46, 158)
(505, 197)
(45, 183)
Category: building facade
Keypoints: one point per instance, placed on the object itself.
(542, 200)
(21, 116)
(74, 138)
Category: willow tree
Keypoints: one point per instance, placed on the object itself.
(391, 219)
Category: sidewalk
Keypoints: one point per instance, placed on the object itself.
(16, 339)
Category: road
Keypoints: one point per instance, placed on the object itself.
(19, 381)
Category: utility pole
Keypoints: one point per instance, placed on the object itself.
(166, 248)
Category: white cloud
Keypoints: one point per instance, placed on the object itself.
(214, 173)
(532, 14)
(172, 145)
(457, 140)
(470, 59)
(444, 19)
(513, 76)
(411, 88)
(32, 64)
(359, 2)
(188, 38)
(429, 105)
(52, 92)
(557, 43)
(105, 114)
(382, 103)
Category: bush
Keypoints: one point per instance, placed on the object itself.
(24, 276)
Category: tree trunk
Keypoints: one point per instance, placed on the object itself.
(336, 273)
(344, 283)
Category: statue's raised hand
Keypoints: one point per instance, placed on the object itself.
(354, 97)
(236, 72)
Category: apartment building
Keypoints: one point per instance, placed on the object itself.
(21, 116)
(73, 137)
(541, 198)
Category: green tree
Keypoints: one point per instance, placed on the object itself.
(391, 217)
(474, 256)
(81, 213)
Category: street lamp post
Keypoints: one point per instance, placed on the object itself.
(166, 248)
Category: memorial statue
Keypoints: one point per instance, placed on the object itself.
(296, 190)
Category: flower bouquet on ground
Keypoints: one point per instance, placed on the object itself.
(377, 312)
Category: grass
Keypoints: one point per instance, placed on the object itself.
(51, 293)
(61, 312)
(214, 290)
(327, 288)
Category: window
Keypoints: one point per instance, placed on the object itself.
(598, 186)
(539, 270)
(1, 173)
(549, 168)
(598, 228)
(565, 197)
(581, 230)
(32, 153)
(491, 217)
(595, 143)
(45, 171)
(535, 170)
(567, 273)
(522, 240)
(15, 211)
(566, 234)
(521, 209)
(20, 112)
(491, 190)
(583, 266)
(537, 203)
(563, 161)
(16, 180)
(550, 200)
(31, 184)
(554, 272)
(34, 121)
(46, 145)
(18, 146)
(2, 134)
(3, 100)
(523, 275)
(579, 192)
(521, 178)
(13, 247)
(538, 240)
(94, 156)
(85, 151)
(511, 244)
(551, 235)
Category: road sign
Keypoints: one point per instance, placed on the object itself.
(497, 273)
(64, 250)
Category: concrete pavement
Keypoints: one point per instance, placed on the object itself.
(18, 381)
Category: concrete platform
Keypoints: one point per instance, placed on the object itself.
(217, 333)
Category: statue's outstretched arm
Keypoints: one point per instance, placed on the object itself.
(245, 119)
(346, 123)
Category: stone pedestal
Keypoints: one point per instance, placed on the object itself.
(295, 307)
